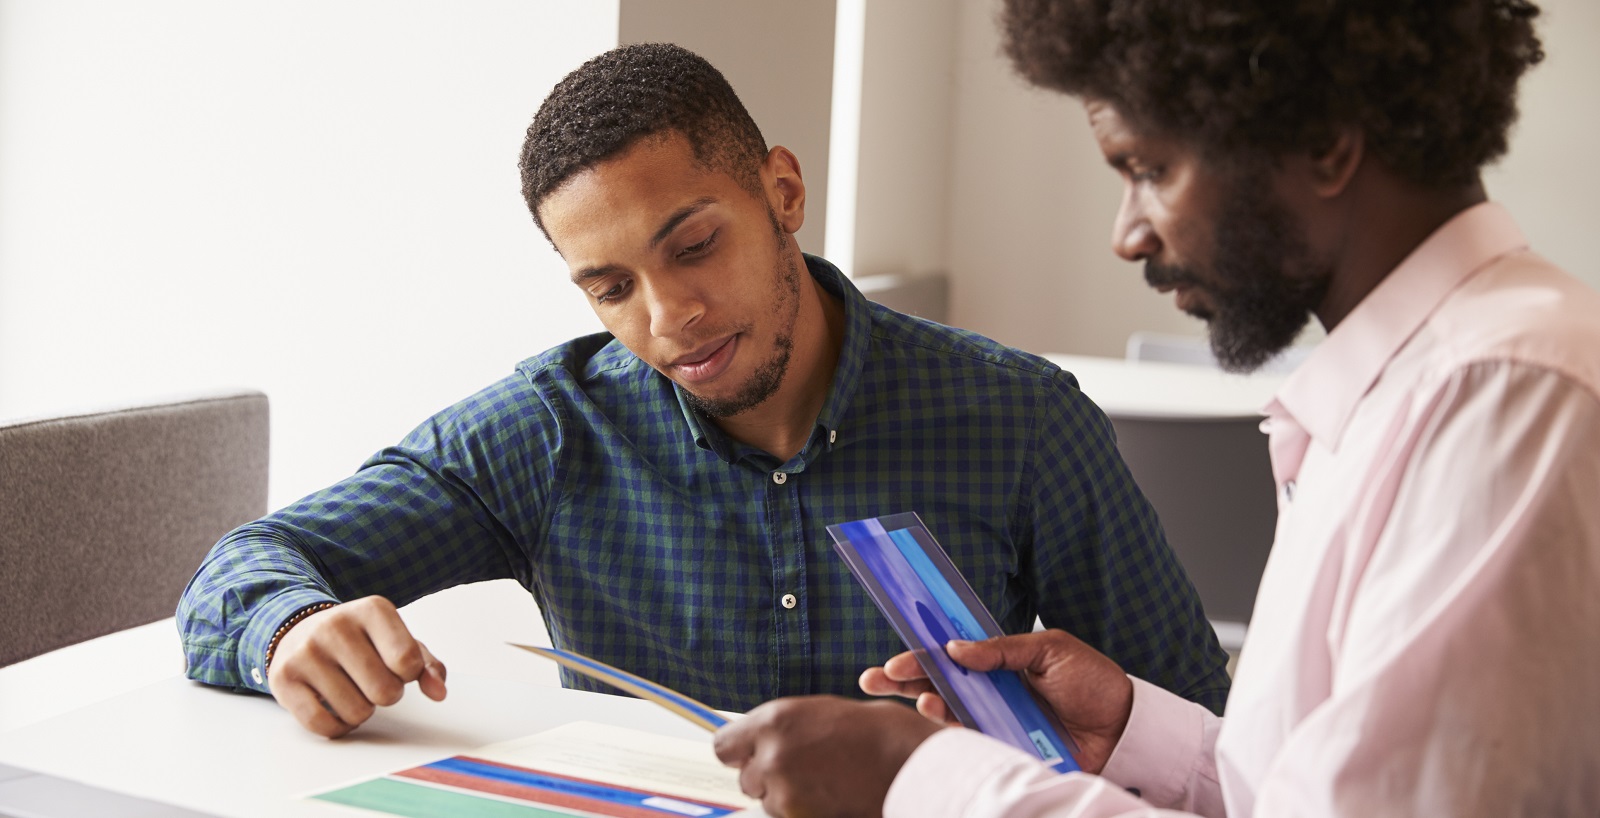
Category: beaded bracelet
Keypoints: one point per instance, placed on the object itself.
(289, 623)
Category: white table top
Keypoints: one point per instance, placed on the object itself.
(115, 712)
(1144, 389)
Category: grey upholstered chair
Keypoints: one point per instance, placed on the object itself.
(104, 516)
(1210, 481)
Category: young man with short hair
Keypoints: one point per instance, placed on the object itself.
(1424, 638)
(663, 489)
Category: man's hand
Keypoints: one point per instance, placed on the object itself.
(1090, 695)
(821, 755)
(335, 667)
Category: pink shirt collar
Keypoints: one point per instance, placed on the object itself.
(1324, 391)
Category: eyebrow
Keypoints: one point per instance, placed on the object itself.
(678, 216)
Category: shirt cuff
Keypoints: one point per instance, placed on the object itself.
(953, 767)
(264, 624)
(1161, 747)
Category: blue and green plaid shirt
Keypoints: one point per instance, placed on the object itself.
(653, 542)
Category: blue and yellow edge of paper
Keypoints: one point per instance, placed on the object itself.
(693, 711)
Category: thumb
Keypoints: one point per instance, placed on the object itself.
(433, 672)
(732, 742)
(1024, 651)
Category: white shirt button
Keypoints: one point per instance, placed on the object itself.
(833, 435)
(1288, 491)
(255, 673)
(780, 478)
(789, 601)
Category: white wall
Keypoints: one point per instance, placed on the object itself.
(903, 151)
(318, 199)
(1550, 176)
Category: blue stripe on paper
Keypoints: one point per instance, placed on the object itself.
(586, 789)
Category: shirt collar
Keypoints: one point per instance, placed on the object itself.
(852, 357)
(1323, 392)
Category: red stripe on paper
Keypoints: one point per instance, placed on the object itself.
(538, 795)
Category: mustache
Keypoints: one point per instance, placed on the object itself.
(1163, 275)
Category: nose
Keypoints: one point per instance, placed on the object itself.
(675, 305)
(1132, 236)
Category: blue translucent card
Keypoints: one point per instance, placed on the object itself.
(929, 603)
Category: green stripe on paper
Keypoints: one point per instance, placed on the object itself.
(417, 801)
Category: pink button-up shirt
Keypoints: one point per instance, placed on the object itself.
(1426, 640)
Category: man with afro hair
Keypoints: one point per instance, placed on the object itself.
(663, 489)
(1424, 638)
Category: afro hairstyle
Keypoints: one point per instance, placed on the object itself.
(1431, 84)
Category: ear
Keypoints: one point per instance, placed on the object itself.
(1333, 167)
(786, 191)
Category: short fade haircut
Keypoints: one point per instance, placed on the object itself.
(1432, 84)
(630, 93)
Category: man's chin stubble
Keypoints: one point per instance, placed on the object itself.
(763, 384)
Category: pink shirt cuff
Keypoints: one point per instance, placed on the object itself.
(1163, 747)
(954, 766)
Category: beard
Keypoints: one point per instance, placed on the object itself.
(764, 382)
(1264, 283)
